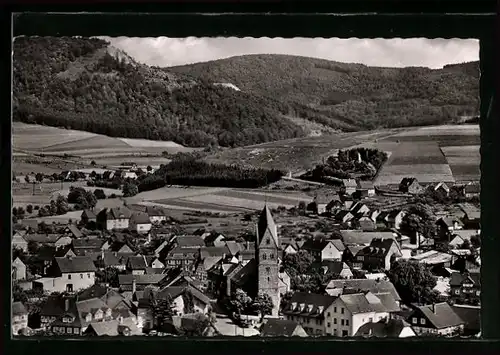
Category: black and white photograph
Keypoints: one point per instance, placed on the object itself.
(245, 187)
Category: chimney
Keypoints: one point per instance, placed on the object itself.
(134, 286)
(66, 304)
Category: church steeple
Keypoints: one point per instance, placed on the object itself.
(266, 224)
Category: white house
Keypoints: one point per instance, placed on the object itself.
(156, 215)
(140, 222)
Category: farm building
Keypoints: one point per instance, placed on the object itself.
(155, 214)
(140, 222)
(365, 188)
(410, 185)
(440, 187)
(88, 216)
(114, 218)
(321, 201)
(460, 236)
(471, 190)
(350, 186)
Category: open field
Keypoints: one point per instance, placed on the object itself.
(225, 200)
(51, 140)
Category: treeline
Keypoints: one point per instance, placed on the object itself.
(107, 95)
(360, 162)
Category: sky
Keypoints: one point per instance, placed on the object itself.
(432, 53)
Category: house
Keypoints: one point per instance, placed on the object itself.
(471, 190)
(88, 216)
(313, 311)
(466, 287)
(323, 249)
(380, 254)
(334, 204)
(47, 239)
(109, 259)
(351, 311)
(365, 189)
(359, 209)
(140, 222)
(459, 237)
(386, 328)
(410, 185)
(358, 237)
(133, 283)
(18, 270)
(19, 242)
(436, 319)
(122, 326)
(87, 246)
(114, 218)
(364, 223)
(321, 201)
(394, 219)
(183, 257)
(433, 258)
(472, 217)
(156, 214)
(446, 225)
(73, 231)
(185, 241)
(441, 188)
(337, 269)
(471, 315)
(338, 287)
(350, 186)
(275, 327)
(344, 216)
(137, 265)
(213, 239)
(69, 274)
(19, 317)
(203, 267)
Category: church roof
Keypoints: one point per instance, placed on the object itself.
(266, 222)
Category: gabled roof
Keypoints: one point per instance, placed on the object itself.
(185, 241)
(315, 244)
(18, 308)
(213, 251)
(136, 263)
(365, 185)
(244, 274)
(116, 213)
(88, 214)
(75, 264)
(374, 286)
(266, 222)
(472, 188)
(42, 238)
(308, 299)
(234, 247)
(349, 182)
(378, 247)
(147, 279)
(275, 327)
(154, 211)
(91, 243)
(338, 244)
(176, 291)
(471, 315)
(362, 237)
(95, 291)
(330, 266)
(441, 315)
(138, 217)
(407, 181)
(115, 328)
(75, 231)
(358, 303)
(457, 278)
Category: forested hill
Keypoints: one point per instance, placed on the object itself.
(366, 97)
(86, 84)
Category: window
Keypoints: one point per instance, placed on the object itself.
(342, 310)
(334, 309)
(347, 322)
(76, 331)
(414, 320)
(328, 314)
(370, 319)
(422, 321)
(69, 330)
(268, 241)
(271, 256)
(334, 320)
(268, 279)
(268, 270)
(341, 322)
(345, 333)
(69, 288)
(88, 275)
(81, 276)
(335, 332)
(328, 324)
(360, 258)
(69, 276)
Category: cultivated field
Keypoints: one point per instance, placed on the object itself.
(223, 200)
(51, 140)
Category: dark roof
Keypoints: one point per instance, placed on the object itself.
(375, 286)
(95, 291)
(214, 251)
(365, 185)
(54, 306)
(175, 291)
(266, 222)
(390, 328)
(89, 214)
(325, 198)
(471, 315)
(457, 278)
(315, 244)
(366, 224)
(378, 248)
(308, 299)
(87, 243)
(75, 264)
(116, 213)
(154, 211)
(342, 214)
(189, 241)
(363, 303)
(146, 279)
(331, 266)
(18, 308)
(362, 237)
(42, 238)
(109, 259)
(275, 327)
(472, 189)
(211, 237)
(441, 315)
(140, 218)
(183, 253)
(136, 263)
(245, 274)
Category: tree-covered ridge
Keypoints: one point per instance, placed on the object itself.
(367, 97)
(76, 83)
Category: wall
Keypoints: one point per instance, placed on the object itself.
(19, 322)
(299, 332)
(330, 252)
(138, 272)
(407, 332)
(144, 318)
(142, 228)
(157, 219)
(346, 274)
(117, 224)
(19, 271)
(178, 304)
(314, 326)
(359, 319)
(59, 284)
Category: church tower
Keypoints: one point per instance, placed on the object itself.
(266, 254)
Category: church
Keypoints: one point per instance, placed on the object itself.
(262, 273)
